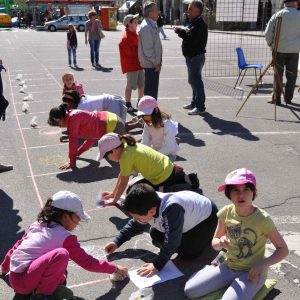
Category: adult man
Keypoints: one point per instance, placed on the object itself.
(194, 39)
(288, 49)
(130, 64)
(150, 49)
(181, 222)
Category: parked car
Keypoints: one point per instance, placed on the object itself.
(62, 23)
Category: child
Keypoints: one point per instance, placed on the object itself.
(156, 168)
(243, 229)
(37, 263)
(3, 102)
(86, 125)
(182, 222)
(70, 84)
(159, 130)
(111, 103)
(128, 47)
(72, 44)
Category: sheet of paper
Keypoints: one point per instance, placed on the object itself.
(169, 272)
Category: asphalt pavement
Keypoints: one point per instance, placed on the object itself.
(211, 145)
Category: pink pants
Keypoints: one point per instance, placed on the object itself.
(43, 275)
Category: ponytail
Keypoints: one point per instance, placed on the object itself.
(50, 214)
(57, 113)
(130, 140)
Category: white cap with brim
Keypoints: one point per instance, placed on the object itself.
(71, 202)
(107, 143)
(129, 17)
(145, 112)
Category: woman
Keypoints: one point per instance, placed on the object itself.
(92, 34)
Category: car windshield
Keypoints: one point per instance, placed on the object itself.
(62, 19)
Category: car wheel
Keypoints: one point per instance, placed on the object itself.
(81, 28)
(52, 28)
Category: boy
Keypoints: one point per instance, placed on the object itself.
(130, 64)
(181, 222)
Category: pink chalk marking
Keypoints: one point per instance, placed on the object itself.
(88, 283)
(24, 144)
(49, 131)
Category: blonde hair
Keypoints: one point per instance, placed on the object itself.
(68, 73)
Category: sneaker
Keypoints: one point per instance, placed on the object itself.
(93, 65)
(63, 292)
(272, 102)
(98, 65)
(178, 140)
(4, 168)
(196, 111)
(131, 109)
(194, 180)
(188, 106)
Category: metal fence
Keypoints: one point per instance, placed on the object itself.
(232, 24)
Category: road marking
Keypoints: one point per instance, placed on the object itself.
(25, 145)
(88, 283)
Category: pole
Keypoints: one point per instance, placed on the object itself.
(272, 63)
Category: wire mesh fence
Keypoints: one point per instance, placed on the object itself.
(233, 24)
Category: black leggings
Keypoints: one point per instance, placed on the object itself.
(194, 241)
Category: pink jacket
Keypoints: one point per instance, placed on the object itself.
(90, 126)
(40, 239)
(78, 87)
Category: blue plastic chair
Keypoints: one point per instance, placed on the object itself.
(243, 66)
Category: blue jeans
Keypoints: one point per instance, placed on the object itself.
(151, 82)
(94, 54)
(72, 51)
(194, 66)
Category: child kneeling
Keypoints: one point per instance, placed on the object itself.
(37, 263)
(181, 222)
(243, 229)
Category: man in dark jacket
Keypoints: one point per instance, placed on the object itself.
(194, 39)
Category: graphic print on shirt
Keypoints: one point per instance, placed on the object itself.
(245, 239)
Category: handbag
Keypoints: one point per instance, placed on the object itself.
(101, 34)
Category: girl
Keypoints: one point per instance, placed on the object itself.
(111, 103)
(72, 44)
(156, 168)
(92, 34)
(70, 84)
(159, 130)
(243, 229)
(83, 124)
(38, 262)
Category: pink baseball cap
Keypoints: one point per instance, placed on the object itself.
(107, 143)
(146, 106)
(239, 176)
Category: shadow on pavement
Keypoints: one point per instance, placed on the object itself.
(118, 222)
(104, 69)
(143, 254)
(89, 173)
(187, 136)
(9, 228)
(224, 127)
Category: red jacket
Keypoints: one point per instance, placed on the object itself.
(128, 47)
(90, 126)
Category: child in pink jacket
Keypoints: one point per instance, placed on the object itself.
(37, 263)
(70, 84)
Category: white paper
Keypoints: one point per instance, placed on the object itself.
(168, 272)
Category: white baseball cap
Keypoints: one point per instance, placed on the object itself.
(71, 202)
(107, 143)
